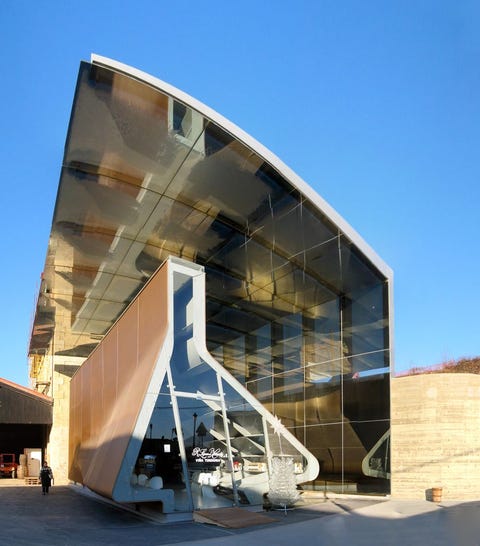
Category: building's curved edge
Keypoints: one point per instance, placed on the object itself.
(258, 148)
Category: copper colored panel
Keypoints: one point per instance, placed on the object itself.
(127, 345)
(153, 317)
(109, 391)
(96, 401)
(110, 387)
(85, 408)
(74, 471)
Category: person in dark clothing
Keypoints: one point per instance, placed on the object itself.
(46, 477)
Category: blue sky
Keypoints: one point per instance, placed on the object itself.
(375, 104)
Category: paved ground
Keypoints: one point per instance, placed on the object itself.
(69, 517)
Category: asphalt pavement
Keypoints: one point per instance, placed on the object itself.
(71, 516)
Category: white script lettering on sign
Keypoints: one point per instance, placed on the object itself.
(208, 455)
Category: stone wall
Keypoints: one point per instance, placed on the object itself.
(57, 448)
(436, 435)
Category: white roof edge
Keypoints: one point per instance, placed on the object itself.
(259, 148)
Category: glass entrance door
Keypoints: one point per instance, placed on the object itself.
(205, 448)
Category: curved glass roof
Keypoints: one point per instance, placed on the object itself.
(149, 172)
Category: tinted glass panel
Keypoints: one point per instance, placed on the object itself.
(294, 310)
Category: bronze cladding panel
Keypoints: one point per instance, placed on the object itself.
(74, 440)
(109, 389)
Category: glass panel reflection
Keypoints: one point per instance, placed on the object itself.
(204, 183)
(294, 310)
(325, 441)
(291, 228)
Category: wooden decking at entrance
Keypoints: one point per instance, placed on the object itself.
(233, 518)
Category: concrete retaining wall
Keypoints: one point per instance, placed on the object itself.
(436, 435)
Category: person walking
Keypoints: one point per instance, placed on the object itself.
(46, 477)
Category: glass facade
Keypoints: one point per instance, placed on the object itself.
(295, 310)
(226, 442)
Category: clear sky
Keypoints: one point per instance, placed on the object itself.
(375, 104)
